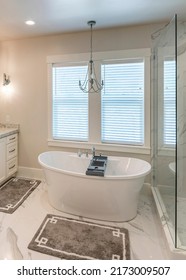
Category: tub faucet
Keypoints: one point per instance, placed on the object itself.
(93, 151)
(79, 153)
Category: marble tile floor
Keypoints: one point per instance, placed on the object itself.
(17, 229)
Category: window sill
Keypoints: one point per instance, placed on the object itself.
(99, 146)
(167, 152)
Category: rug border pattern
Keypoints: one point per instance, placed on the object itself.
(9, 208)
(37, 243)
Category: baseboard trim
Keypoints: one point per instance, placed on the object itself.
(28, 172)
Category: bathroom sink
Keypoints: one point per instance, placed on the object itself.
(5, 131)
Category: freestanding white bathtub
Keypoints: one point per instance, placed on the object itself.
(113, 197)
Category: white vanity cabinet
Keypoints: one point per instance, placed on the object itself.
(8, 156)
(11, 154)
(2, 159)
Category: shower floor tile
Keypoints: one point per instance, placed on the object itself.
(18, 229)
(169, 204)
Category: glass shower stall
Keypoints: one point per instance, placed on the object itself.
(168, 135)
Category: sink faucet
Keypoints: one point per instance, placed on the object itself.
(93, 151)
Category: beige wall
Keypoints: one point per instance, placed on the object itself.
(25, 61)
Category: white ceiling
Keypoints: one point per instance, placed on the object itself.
(57, 16)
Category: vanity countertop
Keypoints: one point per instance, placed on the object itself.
(6, 130)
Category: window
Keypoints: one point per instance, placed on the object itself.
(123, 102)
(70, 105)
(169, 127)
(118, 118)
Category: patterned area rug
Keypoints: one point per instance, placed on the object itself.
(14, 192)
(72, 239)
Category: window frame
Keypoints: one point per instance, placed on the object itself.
(95, 101)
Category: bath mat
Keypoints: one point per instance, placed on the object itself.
(72, 239)
(14, 192)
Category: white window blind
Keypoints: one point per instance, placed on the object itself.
(123, 102)
(169, 126)
(70, 104)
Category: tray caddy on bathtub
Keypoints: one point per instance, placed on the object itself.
(97, 166)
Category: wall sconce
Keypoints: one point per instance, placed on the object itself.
(6, 80)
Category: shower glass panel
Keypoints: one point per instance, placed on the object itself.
(181, 135)
(164, 68)
(169, 126)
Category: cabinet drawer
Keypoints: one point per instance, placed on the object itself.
(11, 166)
(11, 150)
(2, 159)
(11, 138)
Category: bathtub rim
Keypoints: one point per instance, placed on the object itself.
(82, 175)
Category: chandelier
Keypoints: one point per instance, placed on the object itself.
(91, 84)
